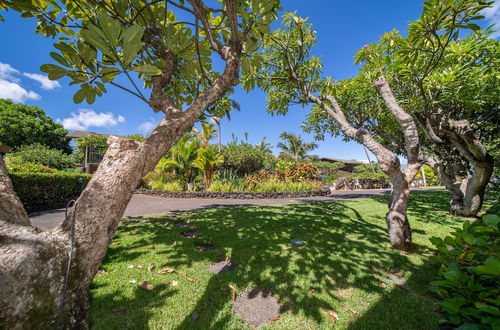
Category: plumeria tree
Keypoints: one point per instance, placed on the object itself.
(162, 52)
(291, 74)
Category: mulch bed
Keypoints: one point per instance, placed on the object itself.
(257, 307)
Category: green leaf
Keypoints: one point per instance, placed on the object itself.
(90, 98)
(147, 69)
(54, 71)
(131, 43)
(80, 95)
(110, 27)
(491, 219)
(95, 40)
(491, 266)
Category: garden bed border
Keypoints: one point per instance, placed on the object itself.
(234, 194)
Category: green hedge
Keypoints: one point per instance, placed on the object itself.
(48, 186)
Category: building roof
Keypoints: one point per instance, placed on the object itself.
(5, 148)
(78, 133)
(345, 161)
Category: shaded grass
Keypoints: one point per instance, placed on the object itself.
(341, 267)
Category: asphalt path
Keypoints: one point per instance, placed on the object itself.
(144, 204)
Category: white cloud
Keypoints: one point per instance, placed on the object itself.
(10, 87)
(7, 72)
(45, 82)
(14, 91)
(146, 126)
(492, 14)
(85, 118)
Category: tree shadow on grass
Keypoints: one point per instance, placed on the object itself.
(344, 252)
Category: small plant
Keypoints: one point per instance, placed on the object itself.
(469, 274)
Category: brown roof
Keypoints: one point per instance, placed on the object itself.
(78, 133)
(345, 161)
(5, 148)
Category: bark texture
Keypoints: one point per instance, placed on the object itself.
(396, 218)
(33, 263)
(465, 169)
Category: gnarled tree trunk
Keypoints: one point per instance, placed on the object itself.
(467, 172)
(398, 226)
(33, 263)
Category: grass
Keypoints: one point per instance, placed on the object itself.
(341, 267)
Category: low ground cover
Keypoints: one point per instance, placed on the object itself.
(344, 276)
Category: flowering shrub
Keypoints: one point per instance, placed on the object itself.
(298, 172)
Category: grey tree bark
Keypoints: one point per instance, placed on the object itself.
(398, 226)
(465, 173)
(33, 263)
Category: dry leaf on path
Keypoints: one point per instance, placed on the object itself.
(151, 266)
(146, 285)
(166, 271)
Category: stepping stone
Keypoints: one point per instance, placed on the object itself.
(297, 242)
(183, 224)
(398, 280)
(190, 234)
(222, 267)
(257, 307)
(204, 246)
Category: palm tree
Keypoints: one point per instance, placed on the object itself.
(206, 134)
(207, 161)
(181, 159)
(294, 147)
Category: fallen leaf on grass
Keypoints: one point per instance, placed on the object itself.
(175, 283)
(130, 266)
(333, 316)
(101, 272)
(146, 285)
(233, 292)
(174, 243)
(132, 281)
(150, 267)
(115, 243)
(152, 246)
(272, 319)
(138, 266)
(190, 279)
(135, 232)
(166, 271)
(383, 285)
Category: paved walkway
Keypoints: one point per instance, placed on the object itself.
(145, 204)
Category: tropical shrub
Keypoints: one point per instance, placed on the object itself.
(47, 186)
(39, 154)
(29, 168)
(430, 176)
(298, 172)
(245, 158)
(275, 184)
(469, 274)
(253, 179)
(283, 164)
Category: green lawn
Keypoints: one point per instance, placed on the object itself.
(342, 266)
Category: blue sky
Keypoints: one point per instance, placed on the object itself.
(342, 28)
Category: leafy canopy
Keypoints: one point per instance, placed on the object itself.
(100, 43)
(25, 125)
